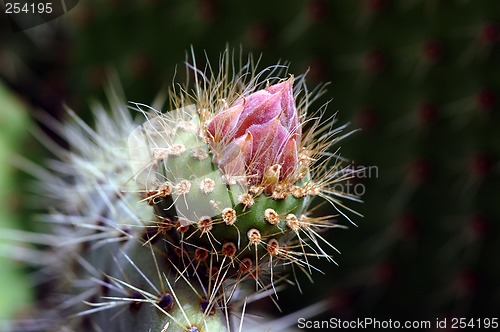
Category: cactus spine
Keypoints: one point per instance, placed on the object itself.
(163, 223)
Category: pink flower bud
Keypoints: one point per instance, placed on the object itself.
(256, 133)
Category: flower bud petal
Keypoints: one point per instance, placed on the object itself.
(268, 140)
(260, 107)
(289, 117)
(237, 155)
(289, 158)
(221, 127)
(257, 132)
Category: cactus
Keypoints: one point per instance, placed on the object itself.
(166, 225)
(419, 77)
(12, 134)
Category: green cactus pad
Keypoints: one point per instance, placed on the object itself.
(203, 212)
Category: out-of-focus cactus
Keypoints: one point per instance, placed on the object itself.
(176, 223)
(16, 291)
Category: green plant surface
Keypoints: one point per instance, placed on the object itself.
(16, 290)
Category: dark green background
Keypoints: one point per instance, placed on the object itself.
(421, 78)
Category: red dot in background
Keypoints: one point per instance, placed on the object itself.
(386, 272)
(480, 164)
(342, 301)
(485, 99)
(489, 33)
(208, 10)
(468, 282)
(317, 10)
(140, 64)
(420, 171)
(97, 76)
(432, 51)
(260, 35)
(427, 113)
(367, 119)
(375, 62)
(375, 6)
(84, 15)
(478, 226)
(318, 70)
(407, 226)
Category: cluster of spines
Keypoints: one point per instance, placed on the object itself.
(218, 240)
(259, 226)
(128, 243)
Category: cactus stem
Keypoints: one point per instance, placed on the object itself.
(210, 197)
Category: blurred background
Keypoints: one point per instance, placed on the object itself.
(421, 78)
